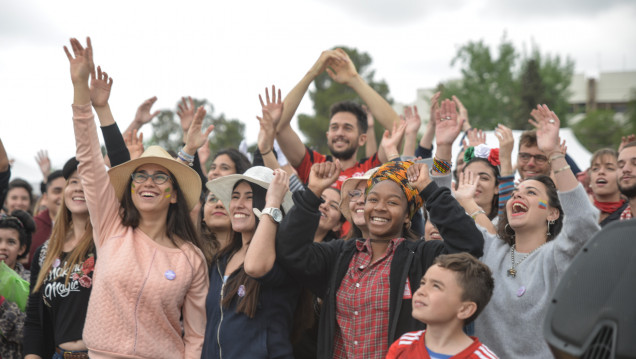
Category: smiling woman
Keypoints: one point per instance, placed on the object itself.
(151, 278)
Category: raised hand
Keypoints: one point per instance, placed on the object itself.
(625, 140)
(322, 175)
(273, 107)
(186, 113)
(341, 70)
(506, 144)
(277, 189)
(195, 137)
(418, 175)
(467, 187)
(204, 155)
(42, 158)
(134, 144)
(326, 58)
(413, 120)
(547, 124)
(475, 137)
(100, 88)
(143, 115)
(81, 61)
(391, 141)
(463, 114)
(447, 125)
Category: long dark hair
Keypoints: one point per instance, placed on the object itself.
(249, 302)
(494, 204)
(178, 220)
(508, 235)
(22, 222)
(210, 245)
(241, 162)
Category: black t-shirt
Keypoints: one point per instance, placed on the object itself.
(62, 305)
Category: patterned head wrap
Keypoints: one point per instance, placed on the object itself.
(396, 172)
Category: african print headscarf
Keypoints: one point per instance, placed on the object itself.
(396, 172)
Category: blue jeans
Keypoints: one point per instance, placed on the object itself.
(60, 356)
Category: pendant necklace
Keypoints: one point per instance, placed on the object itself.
(512, 272)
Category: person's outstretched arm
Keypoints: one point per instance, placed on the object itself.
(288, 139)
(413, 124)
(261, 254)
(143, 116)
(371, 146)
(447, 128)
(391, 140)
(271, 112)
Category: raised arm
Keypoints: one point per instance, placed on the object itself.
(371, 146)
(288, 139)
(143, 115)
(44, 162)
(195, 137)
(506, 174)
(261, 253)
(344, 72)
(465, 196)
(271, 112)
(391, 141)
(413, 124)
(447, 128)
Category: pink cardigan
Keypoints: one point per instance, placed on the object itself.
(135, 306)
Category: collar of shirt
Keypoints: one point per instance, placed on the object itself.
(364, 245)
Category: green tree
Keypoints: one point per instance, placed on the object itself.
(599, 129)
(328, 92)
(168, 134)
(500, 88)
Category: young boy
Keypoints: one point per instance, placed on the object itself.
(452, 293)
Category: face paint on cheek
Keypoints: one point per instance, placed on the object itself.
(167, 192)
(543, 204)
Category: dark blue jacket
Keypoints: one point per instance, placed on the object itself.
(229, 334)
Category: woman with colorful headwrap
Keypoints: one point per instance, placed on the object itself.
(367, 283)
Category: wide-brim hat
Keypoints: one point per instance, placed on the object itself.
(187, 178)
(262, 176)
(348, 185)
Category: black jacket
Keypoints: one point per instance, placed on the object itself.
(322, 266)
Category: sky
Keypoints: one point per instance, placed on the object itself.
(229, 51)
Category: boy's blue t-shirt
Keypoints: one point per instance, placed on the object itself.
(434, 355)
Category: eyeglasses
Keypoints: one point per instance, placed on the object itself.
(538, 159)
(212, 199)
(354, 195)
(157, 178)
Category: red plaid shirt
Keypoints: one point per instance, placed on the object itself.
(627, 213)
(362, 304)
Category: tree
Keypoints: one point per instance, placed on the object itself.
(168, 134)
(503, 88)
(599, 129)
(328, 92)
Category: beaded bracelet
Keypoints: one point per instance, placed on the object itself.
(441, 166)
(185, 155)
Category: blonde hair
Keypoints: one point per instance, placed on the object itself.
(62, 230)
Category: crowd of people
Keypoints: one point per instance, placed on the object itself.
(145, 253)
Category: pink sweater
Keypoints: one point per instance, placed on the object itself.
(134, 308)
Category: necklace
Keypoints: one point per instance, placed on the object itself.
(512, 272)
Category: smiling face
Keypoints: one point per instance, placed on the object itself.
(344, 137)
(438, 300)
(74, 199)
(18, 198)
(150, 197)
(10, 247)
(529, 207)
(531, 161)
(487, 186)
(241, 214)
(215, 216)
(221, 166)
(627, 172)
(54, 195)
(356, 205)
(385, 211)
(330, 210)
(604, 177)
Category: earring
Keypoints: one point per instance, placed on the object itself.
(549, 223)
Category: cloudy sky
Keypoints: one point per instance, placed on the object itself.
(228, 51)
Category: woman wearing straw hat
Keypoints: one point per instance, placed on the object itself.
(150, 273)
(251, 300)
(367, 283)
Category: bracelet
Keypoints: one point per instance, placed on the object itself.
(441, 166)
(476, 213)
(562, 169)
(557, 156)
(185, 155)
(189, 162)
(266, 153)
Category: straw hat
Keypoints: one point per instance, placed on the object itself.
(262, 176)
(348, 185)
(188, 179)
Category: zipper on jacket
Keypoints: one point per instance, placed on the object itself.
(218, 330)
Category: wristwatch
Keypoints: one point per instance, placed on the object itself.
(275, 213)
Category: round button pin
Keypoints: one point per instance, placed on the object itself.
(56, 263)
(241, 291)
(170, 274)
(521, 291)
